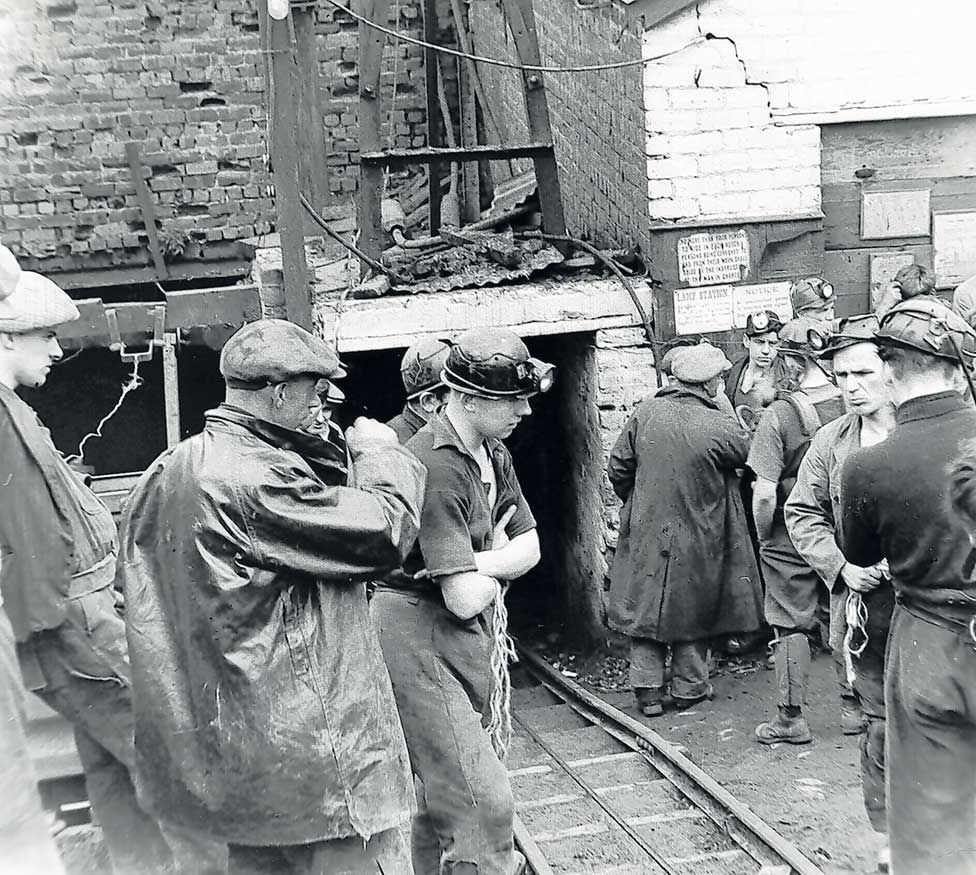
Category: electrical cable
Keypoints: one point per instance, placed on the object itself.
(531, 68)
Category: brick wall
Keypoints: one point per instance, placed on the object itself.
(597, 118)
(733, 114)
(185, 80)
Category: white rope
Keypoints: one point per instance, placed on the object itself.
(857, 621)
(500, 698)
(133, 383)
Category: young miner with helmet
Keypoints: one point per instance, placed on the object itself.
(895, 505)
(441, 625)
(813, 302)
(420, 371)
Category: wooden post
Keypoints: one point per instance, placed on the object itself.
(313, 171)
(283, 115)
(371, 42)
(467, 79)
(171, 388)
(433, 113)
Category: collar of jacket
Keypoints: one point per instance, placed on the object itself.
(930, 406)
(686, 391)
(324, 454)
(445, 435)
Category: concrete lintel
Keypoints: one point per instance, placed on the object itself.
(530, 309)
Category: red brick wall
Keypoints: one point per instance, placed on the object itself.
(597, 118)
(184, 79)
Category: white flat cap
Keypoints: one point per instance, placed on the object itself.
(29, 301)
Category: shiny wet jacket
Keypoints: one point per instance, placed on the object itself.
(264, 712)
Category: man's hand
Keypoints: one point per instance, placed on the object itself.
(365, 432)
(860, 579)
(499, 538)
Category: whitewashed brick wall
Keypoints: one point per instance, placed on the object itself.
(733, 110)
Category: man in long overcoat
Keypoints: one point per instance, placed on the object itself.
(684, 570)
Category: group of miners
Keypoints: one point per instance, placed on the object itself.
(822, 488)
(238, 703)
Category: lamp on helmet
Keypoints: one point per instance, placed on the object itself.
(930, 327)
(495, 363)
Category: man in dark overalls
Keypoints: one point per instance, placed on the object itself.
(443, 632)
(895, 505)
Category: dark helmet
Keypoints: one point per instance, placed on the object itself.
(495, 363)
(763, 322)
(422, 364)
(813, 293)
(849, 331)
(794, 338)
(929, 326)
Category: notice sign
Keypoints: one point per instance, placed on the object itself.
(953, 246)
(712, 259)
(700, 310)
(886, 214)
(755, 299)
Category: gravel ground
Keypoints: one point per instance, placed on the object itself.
(811, 794)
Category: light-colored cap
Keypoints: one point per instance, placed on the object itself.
(699, 363)
(29, 301)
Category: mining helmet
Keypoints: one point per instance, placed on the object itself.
(929, 326)
(794, 338)
(849, 331)
(763, 322)
(422, 364)
(495, 363)
(813, 293)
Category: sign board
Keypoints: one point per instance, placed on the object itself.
(756, 298)
(953, 246)
(884, 266)
(886, 214)
(713, 258)
(700, 310)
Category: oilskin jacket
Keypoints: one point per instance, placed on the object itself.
(264, 712)
(684, 569)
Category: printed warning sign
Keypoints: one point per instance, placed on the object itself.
(713, 258)
(700, 310)
(760, 297)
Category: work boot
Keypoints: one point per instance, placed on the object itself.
(791, 729)
(649, 701)
(682, 704)
(852, 720)
(884, 859)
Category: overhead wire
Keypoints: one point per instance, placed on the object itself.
(497, 62)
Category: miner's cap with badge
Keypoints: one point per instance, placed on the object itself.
(929, 326)
(273, 351)
(812, 293)
(699, 363)
(794, 338)
(495, 363)
(422, 364)
(29, 301)
(846, 332)
(763, 322)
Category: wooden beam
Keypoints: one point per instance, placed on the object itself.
(128, 276)
(371, 42)
(171, 388)
(283, 115)
(146, 207)
(521, 22)
(467, 76)
(433, 113)
(313, 168)
(403, 157)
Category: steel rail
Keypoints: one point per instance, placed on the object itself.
(660, 748)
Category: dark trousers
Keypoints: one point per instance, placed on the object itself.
(689, 668)
(440, 671)
(930, 693)
(84, 668)
(386, 853)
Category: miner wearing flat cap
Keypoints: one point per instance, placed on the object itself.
(59, 544)
(264, 711)
(684, 571)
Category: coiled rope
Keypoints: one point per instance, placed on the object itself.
(500, 697)
(857, 621)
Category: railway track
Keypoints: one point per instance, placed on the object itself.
(599, 793)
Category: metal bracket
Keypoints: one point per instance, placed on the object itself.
(116, 345)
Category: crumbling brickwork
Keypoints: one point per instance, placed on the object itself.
(597, 117)
(184, 79)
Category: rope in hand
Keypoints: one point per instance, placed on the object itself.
(500, 698)
(133, 383)
(857, 621)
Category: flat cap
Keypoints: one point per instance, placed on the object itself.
(698, 363)
(29, 301)
(273, 351)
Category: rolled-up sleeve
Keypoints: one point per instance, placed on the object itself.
(810, 515)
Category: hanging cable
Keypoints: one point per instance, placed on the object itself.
(133, 383)
(500, 696)
(857, 621)
(531, 68)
